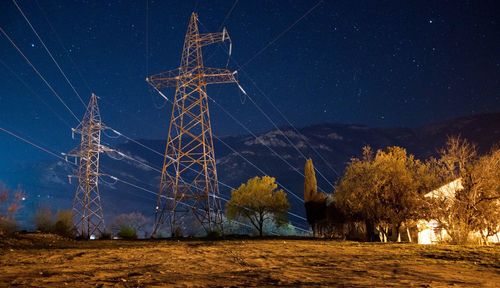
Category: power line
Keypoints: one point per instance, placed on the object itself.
(32, 92)
(215, 136)
(82, 77)
(109, 175)
(124, 156)
(282, 33)
(286, 137)
(147, 37)
(256, 138)
(260, 170)
(228, 14)
(220, 182)
(50, 54)
(288, 121)
(31, 143)
(64, 48)
(38, 73)
(48, 51)
(293, 127)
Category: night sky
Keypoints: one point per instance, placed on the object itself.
(378, 63)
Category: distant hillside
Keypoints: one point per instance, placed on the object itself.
(336, 143)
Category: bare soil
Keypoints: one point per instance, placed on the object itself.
(38, 260)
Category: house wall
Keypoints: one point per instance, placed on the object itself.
(430, 233)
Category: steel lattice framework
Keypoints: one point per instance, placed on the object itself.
(189, 171)
(87, 209)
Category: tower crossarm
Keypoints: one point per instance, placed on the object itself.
(164, 79)
(209, 76)
(218, 76)
(211, 38)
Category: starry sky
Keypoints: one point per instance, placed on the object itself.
(377, 63)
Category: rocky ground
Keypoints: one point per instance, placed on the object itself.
(37, 260)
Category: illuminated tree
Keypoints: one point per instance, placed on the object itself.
(476, 205)
(258, 201)
(310, 183)
(385, 189)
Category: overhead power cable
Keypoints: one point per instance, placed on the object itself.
(281, 34)
(108, 175)
(48, 51)
(38, 73)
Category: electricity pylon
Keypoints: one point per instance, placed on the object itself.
(87, 210)
(189, 174)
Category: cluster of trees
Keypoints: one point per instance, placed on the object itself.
(60, 223)
(385, 190)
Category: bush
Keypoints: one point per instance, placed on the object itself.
(9, 204)
(214, 234)
(106, 235)
(127, 232)
(8, 226)
(64, 224)
(128, 226)
(44, 220)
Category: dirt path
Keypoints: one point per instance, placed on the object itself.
(245, 263)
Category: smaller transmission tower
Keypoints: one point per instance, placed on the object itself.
(87, 209)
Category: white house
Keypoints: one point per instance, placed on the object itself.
(429, 232)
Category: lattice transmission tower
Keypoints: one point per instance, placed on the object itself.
(189, 174)
(87, 210)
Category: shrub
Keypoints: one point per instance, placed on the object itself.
(130, 225)
(127, 232)
(214, 234)
(9, 204)
(64, 224)
(106, 235)
(44, 220)
(8, 226)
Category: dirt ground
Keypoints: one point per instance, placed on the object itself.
(36, 260)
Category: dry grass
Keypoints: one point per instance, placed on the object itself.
(49, 261)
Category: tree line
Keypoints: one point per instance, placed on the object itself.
(385, 190)
(380, 196)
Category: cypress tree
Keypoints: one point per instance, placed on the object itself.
(310, 184)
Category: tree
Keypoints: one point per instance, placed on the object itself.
(259, 200)
(64, 225)
(314, 201)
(487, 173)
(355, 192)
(128, 226)
(310, 183)
(9, 205)
(44, 221)
(476, 206)
(385, 190)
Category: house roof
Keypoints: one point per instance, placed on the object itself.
(446, 191)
